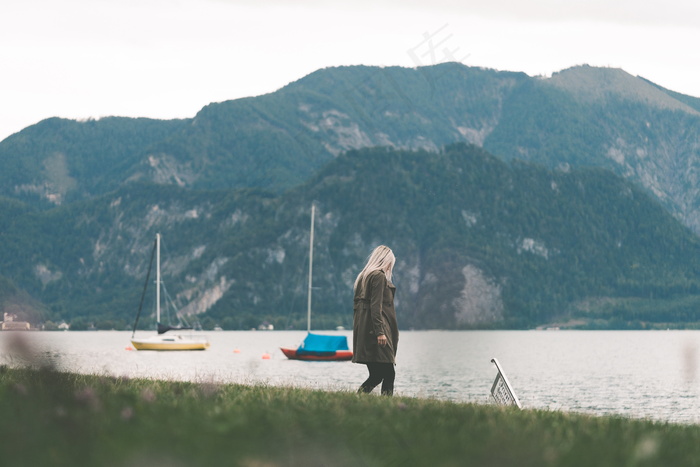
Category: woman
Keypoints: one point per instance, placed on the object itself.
(375, 332)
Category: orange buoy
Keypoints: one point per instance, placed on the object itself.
(236, 351)
(266, 356)
(128, 347)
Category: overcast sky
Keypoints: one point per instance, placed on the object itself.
(168, 58)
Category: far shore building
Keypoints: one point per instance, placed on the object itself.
(9, 323)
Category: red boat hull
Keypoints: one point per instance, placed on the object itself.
(337, 356)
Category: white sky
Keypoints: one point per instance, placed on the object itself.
(168, 58)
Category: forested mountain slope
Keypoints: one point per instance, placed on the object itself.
(480, 243)
(580, 117)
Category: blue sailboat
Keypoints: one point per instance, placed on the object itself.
(318, 347)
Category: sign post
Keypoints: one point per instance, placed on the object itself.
(501, 391)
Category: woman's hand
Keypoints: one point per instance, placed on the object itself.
(382, 340)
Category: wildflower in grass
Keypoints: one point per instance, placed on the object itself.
(208, 389)
(89, 397)
(147, 395)
(646, 449)
(127, 413)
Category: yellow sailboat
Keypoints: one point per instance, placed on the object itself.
(165, 339)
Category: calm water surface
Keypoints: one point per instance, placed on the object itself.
(641, 374)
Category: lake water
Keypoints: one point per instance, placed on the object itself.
(640, 374)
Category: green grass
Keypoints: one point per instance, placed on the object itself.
(49, 418)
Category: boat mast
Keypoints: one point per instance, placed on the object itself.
(311, 264)
(157, 278)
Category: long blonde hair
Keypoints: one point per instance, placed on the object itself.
(381, 259)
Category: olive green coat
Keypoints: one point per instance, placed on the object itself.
(374, 315)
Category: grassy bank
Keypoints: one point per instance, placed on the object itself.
(49, 418)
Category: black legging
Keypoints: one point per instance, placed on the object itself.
(380, 373)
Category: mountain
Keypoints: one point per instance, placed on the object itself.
(58, 161)
(511, 201)
(580, 117)
(480, 243)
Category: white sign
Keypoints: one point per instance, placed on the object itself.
(501, 391)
